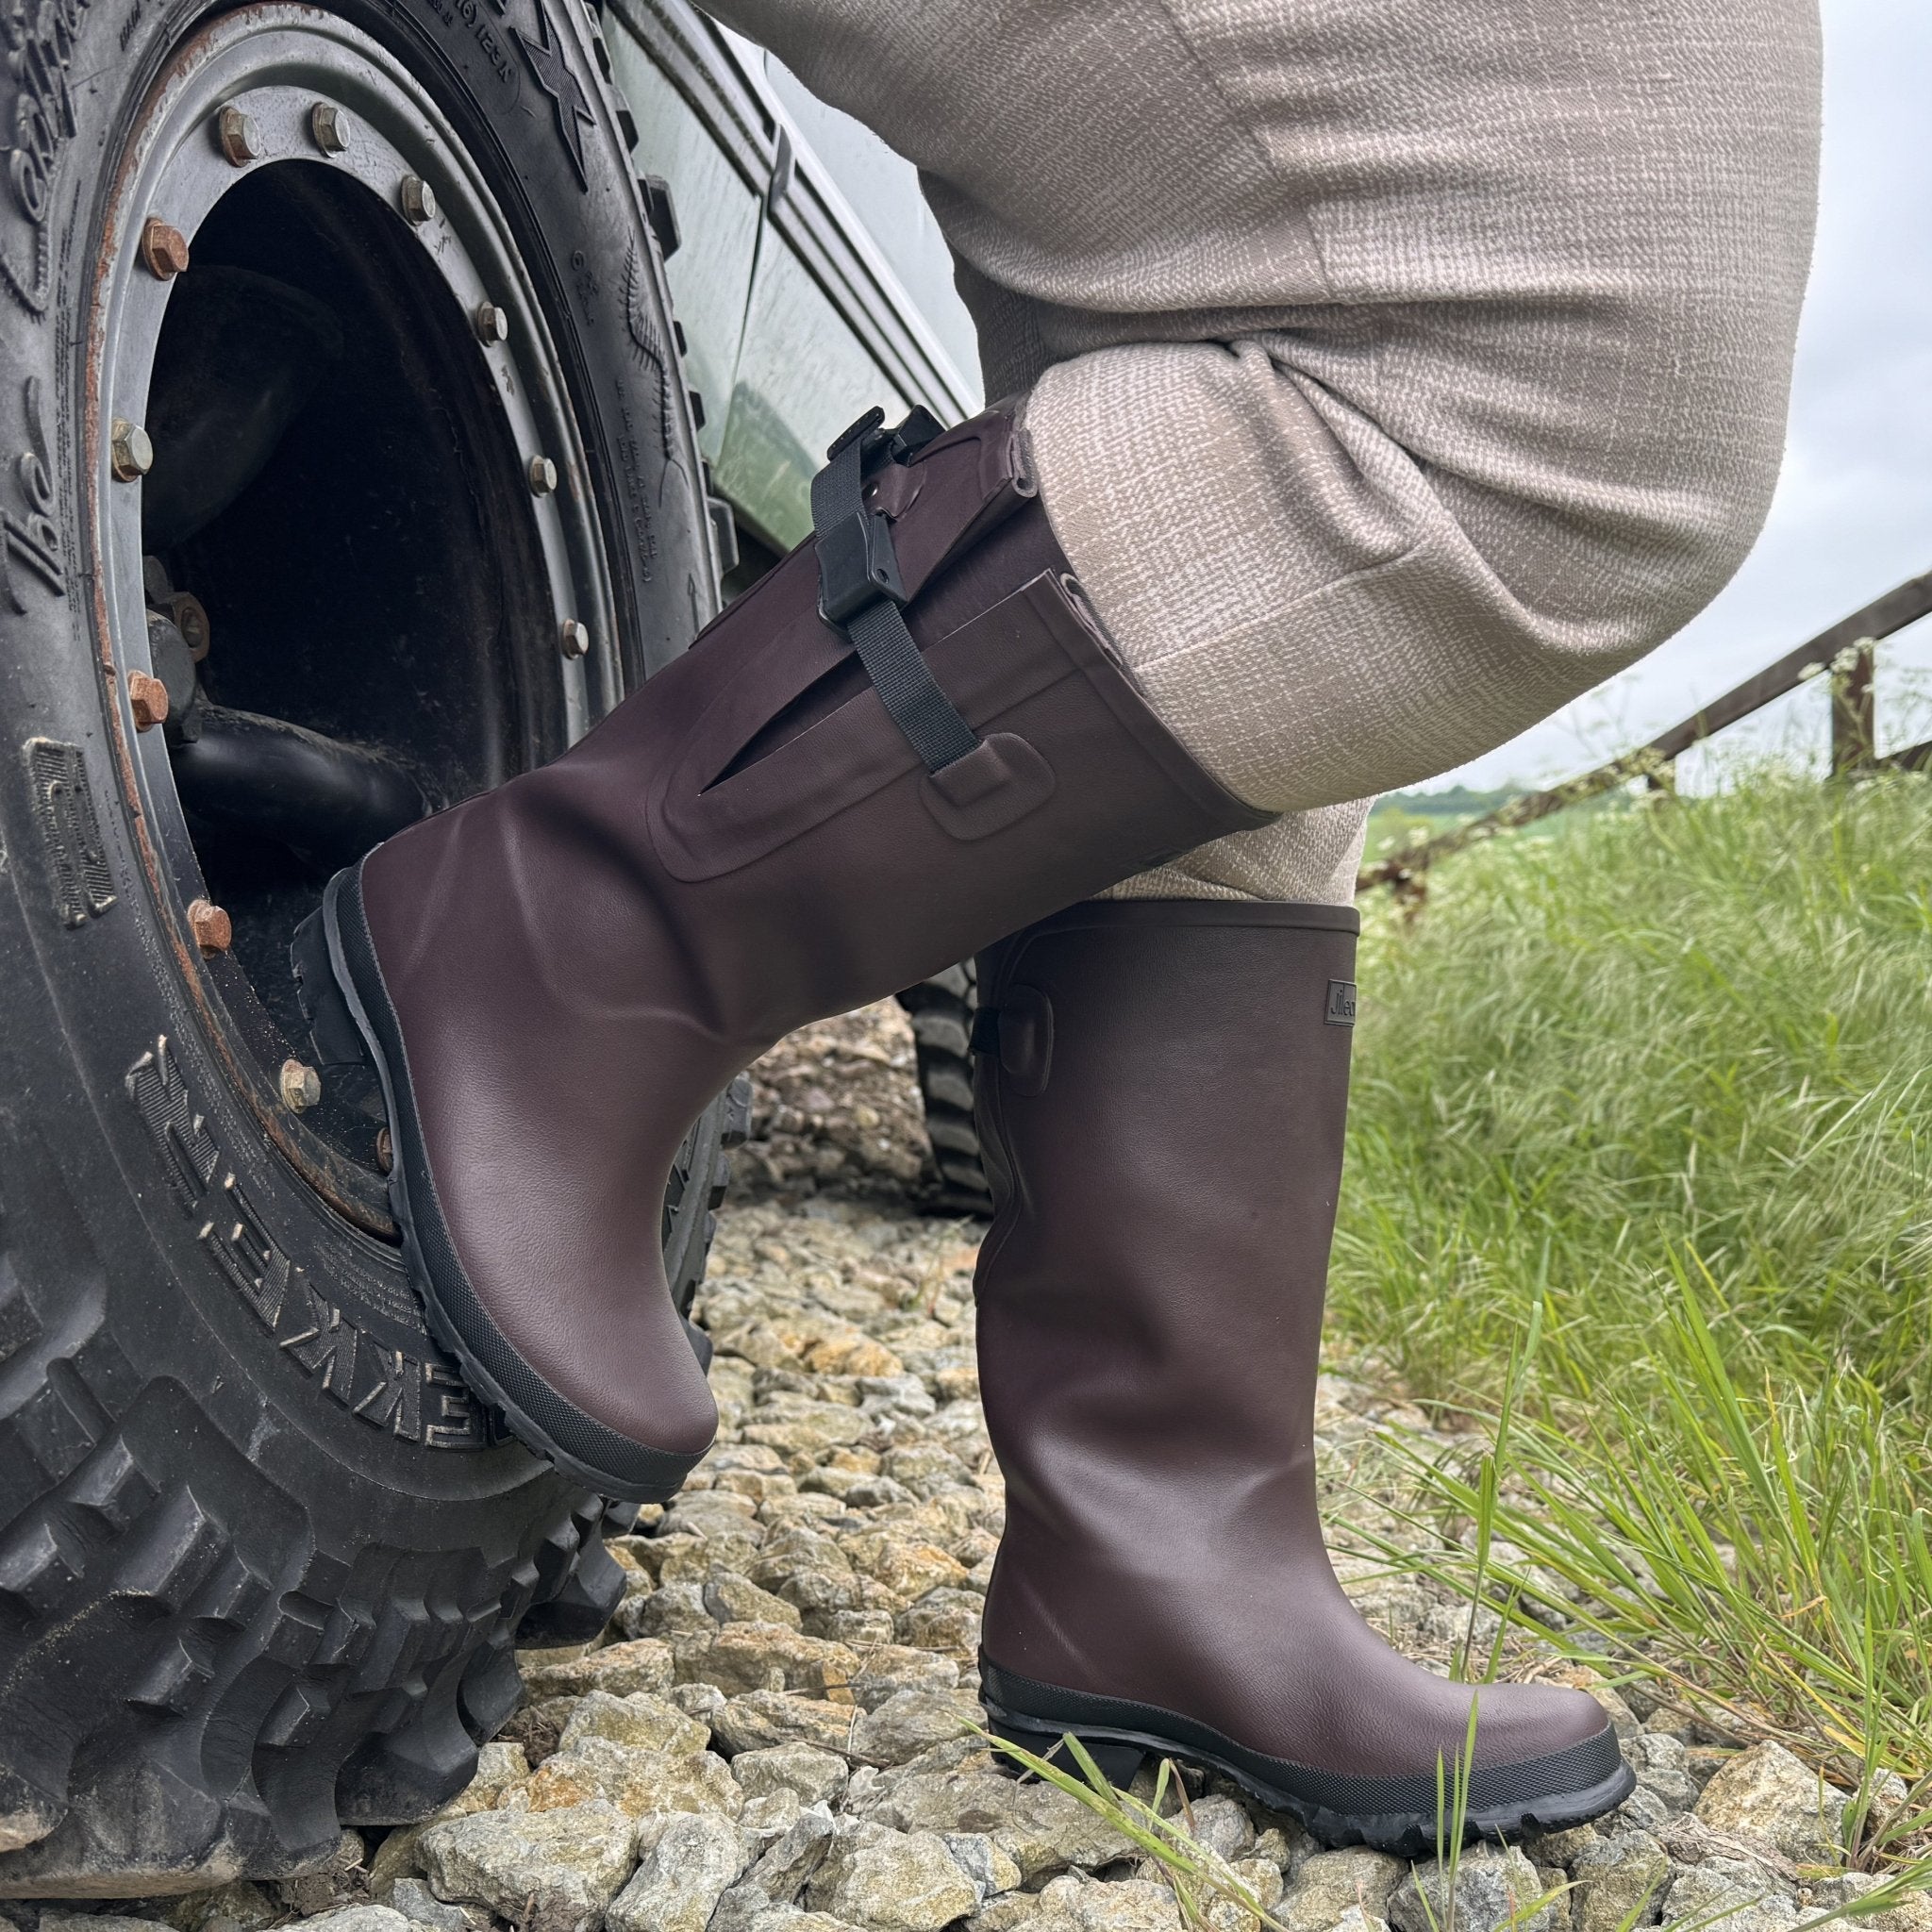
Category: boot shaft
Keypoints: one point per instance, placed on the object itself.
(1162, 1092)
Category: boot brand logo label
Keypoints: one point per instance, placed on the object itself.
(1340, 1010)
(417, 1400)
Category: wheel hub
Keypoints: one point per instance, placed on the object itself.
(347, 567)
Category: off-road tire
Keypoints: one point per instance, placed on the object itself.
(941, 1009)
(263, 1559)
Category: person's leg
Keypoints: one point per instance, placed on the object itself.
(1396, 372)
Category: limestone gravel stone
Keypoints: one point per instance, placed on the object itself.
(1767, 1793)
(817, 1776)
(641, 1720)
(911, 1722)
(886, 1669)
(1042, 1828)
(669, 1611)
(1328, 1883)
(1492, 1887)
(729, 1599)
(1736, 1898)
(546, 1871)
(891, 1881)
(1078, 1904)
(363, 1918)
(1620, 1878)
(644, 1664)
(764, 1718)
(678, 1884)
(421, 1906)
(767, 1656)
(636, 1781)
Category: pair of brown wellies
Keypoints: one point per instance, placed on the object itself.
(909, 742)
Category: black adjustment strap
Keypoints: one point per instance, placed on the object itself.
(861, 589)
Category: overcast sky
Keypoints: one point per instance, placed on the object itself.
(1853, 514)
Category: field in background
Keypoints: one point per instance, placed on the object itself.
(1640, 1164)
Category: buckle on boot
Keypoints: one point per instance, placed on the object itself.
(857, 562)
(862, 593)
(857, 565)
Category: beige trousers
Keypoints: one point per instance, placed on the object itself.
(1398, 369)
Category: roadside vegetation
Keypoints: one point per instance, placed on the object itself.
(1640, 1185)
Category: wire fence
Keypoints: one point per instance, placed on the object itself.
(1847, 654)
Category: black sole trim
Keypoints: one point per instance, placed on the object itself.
(1396, 1815)
(546, 1421)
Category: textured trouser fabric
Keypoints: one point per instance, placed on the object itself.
(1398, 369)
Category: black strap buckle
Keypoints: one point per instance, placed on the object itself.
(861, 590)
(857, 565)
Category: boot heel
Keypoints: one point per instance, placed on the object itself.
(332, 1030)
(1118, 1762)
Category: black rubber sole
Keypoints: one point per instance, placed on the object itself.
(1395, 1815)
(345, 1002)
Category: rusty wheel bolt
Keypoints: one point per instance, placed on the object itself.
(213, 930)
(385, 1153)
(418, 199)
(147, 698)
(575, 638)
(240, 138)
(163, 249)
(190, 620)
(493, 323)
(543, 475)
(329, 126)
(132, 454)
(301, 1087)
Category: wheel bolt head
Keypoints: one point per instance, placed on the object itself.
(163, 249)
(385, 1149)
(418, 200)
(240, 138)
(147, 698)
(329, 128)
(575, 638)
(301, 1086)
(493, 323)
(132, 454)
(542, 475)
(213, 930)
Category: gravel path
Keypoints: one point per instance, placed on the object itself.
(773, 1735)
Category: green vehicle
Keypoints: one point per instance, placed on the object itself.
(386, 387)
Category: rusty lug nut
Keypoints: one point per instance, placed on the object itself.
(163, 249)
(240, 138)
(493, 323)
(385, 1151)
(575, 638)
(301, 1087)
(147, 698)
(213, 930)
(542, 475)
(418, 199)
(190, 620)
(329, 126)
(132, 454)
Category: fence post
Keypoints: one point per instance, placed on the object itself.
(1854, 715)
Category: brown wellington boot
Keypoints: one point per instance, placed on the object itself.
(1162, 1086)
(802, 814)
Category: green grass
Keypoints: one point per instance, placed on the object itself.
(1642, 1146)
